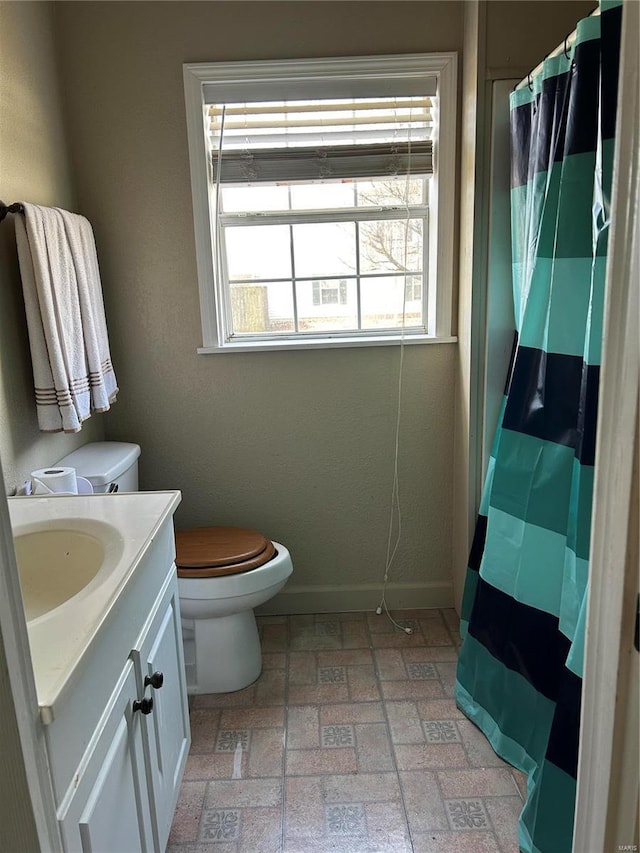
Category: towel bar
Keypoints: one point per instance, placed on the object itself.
(16, 207)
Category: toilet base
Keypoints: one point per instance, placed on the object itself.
(227, 653)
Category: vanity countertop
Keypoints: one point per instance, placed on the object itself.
(127, 523)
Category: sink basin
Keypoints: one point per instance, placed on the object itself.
(54, 565)
(78, 558)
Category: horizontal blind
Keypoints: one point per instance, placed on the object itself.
(302, 140)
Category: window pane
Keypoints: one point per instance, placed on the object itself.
(323, 249)
(254, 199)
(322, 196)
(258, 251)
(382, 302)
(413, 290)
(264, 308)
(391, 192)
(391, 245)
(327, 305)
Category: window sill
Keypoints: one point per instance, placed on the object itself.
(324, 343)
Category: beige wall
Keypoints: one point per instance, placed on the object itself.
(34, 166)
(298, 444)
(465, 428)
(520, 33)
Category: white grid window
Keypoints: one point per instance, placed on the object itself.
(317, 215)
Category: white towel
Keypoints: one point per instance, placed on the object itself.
(72, 367)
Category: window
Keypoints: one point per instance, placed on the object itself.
(323, 200)
(330, 292)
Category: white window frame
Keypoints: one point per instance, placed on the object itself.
(298, 74)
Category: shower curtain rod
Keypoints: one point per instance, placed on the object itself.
(16, 207)
(563, 46)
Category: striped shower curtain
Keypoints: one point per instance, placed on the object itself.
(521, 663)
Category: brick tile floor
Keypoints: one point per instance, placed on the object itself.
(350, 741)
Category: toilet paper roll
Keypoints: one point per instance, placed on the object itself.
(54, 480)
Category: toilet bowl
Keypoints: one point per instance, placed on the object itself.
(223, 573)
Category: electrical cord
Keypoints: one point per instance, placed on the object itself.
(395, 490)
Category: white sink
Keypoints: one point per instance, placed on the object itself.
(54, 565)
(76, 555)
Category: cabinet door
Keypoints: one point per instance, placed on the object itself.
(109, 809)
(167, 727)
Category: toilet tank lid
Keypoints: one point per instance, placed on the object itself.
(102, 462)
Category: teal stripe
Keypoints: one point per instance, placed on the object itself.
(535, 566)
(522, 560)
(535, 319)
(507, 748)
(517, 276)
(555, 66)
(543, 483)
(575, 658)
(556, 319)
(580, 507)
(608, 148)
(593, 348)
(587, 29)
(545, 190)
(575, 238)
(517, 725)
(515, 718)
(468, 596)
(574, 588)
(550, 68)
(532, 480)
(526, 224)
(498, 436)
(519, 227)
(521, 97)
(548, 813)
(488, 484)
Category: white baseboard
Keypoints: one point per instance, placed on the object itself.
(343, 599)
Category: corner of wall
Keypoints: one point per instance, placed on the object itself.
(36, 167)
(467, 426)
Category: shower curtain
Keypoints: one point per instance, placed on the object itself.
(519, 675)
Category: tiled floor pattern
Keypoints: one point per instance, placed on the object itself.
(350, 741)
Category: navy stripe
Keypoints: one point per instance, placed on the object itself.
(554, 397)
(563, 118)
(522, 638)
(610, 29)
(520, 144)
(562, 749)
(477, 546)
(552, 122)
(512, 362)
(582, 125)
(588, 419)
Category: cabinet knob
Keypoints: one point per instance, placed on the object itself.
(156, 680)
(145, 706)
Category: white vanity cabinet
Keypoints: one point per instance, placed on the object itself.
(108, 810)
(119, 739)
(159, 660)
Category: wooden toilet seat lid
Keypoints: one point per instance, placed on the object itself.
(212, 551)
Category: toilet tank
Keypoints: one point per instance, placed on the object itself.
(106, 462)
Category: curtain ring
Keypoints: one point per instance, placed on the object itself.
(529, 82)
(566, 48)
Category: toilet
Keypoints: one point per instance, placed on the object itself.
(223, 573)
